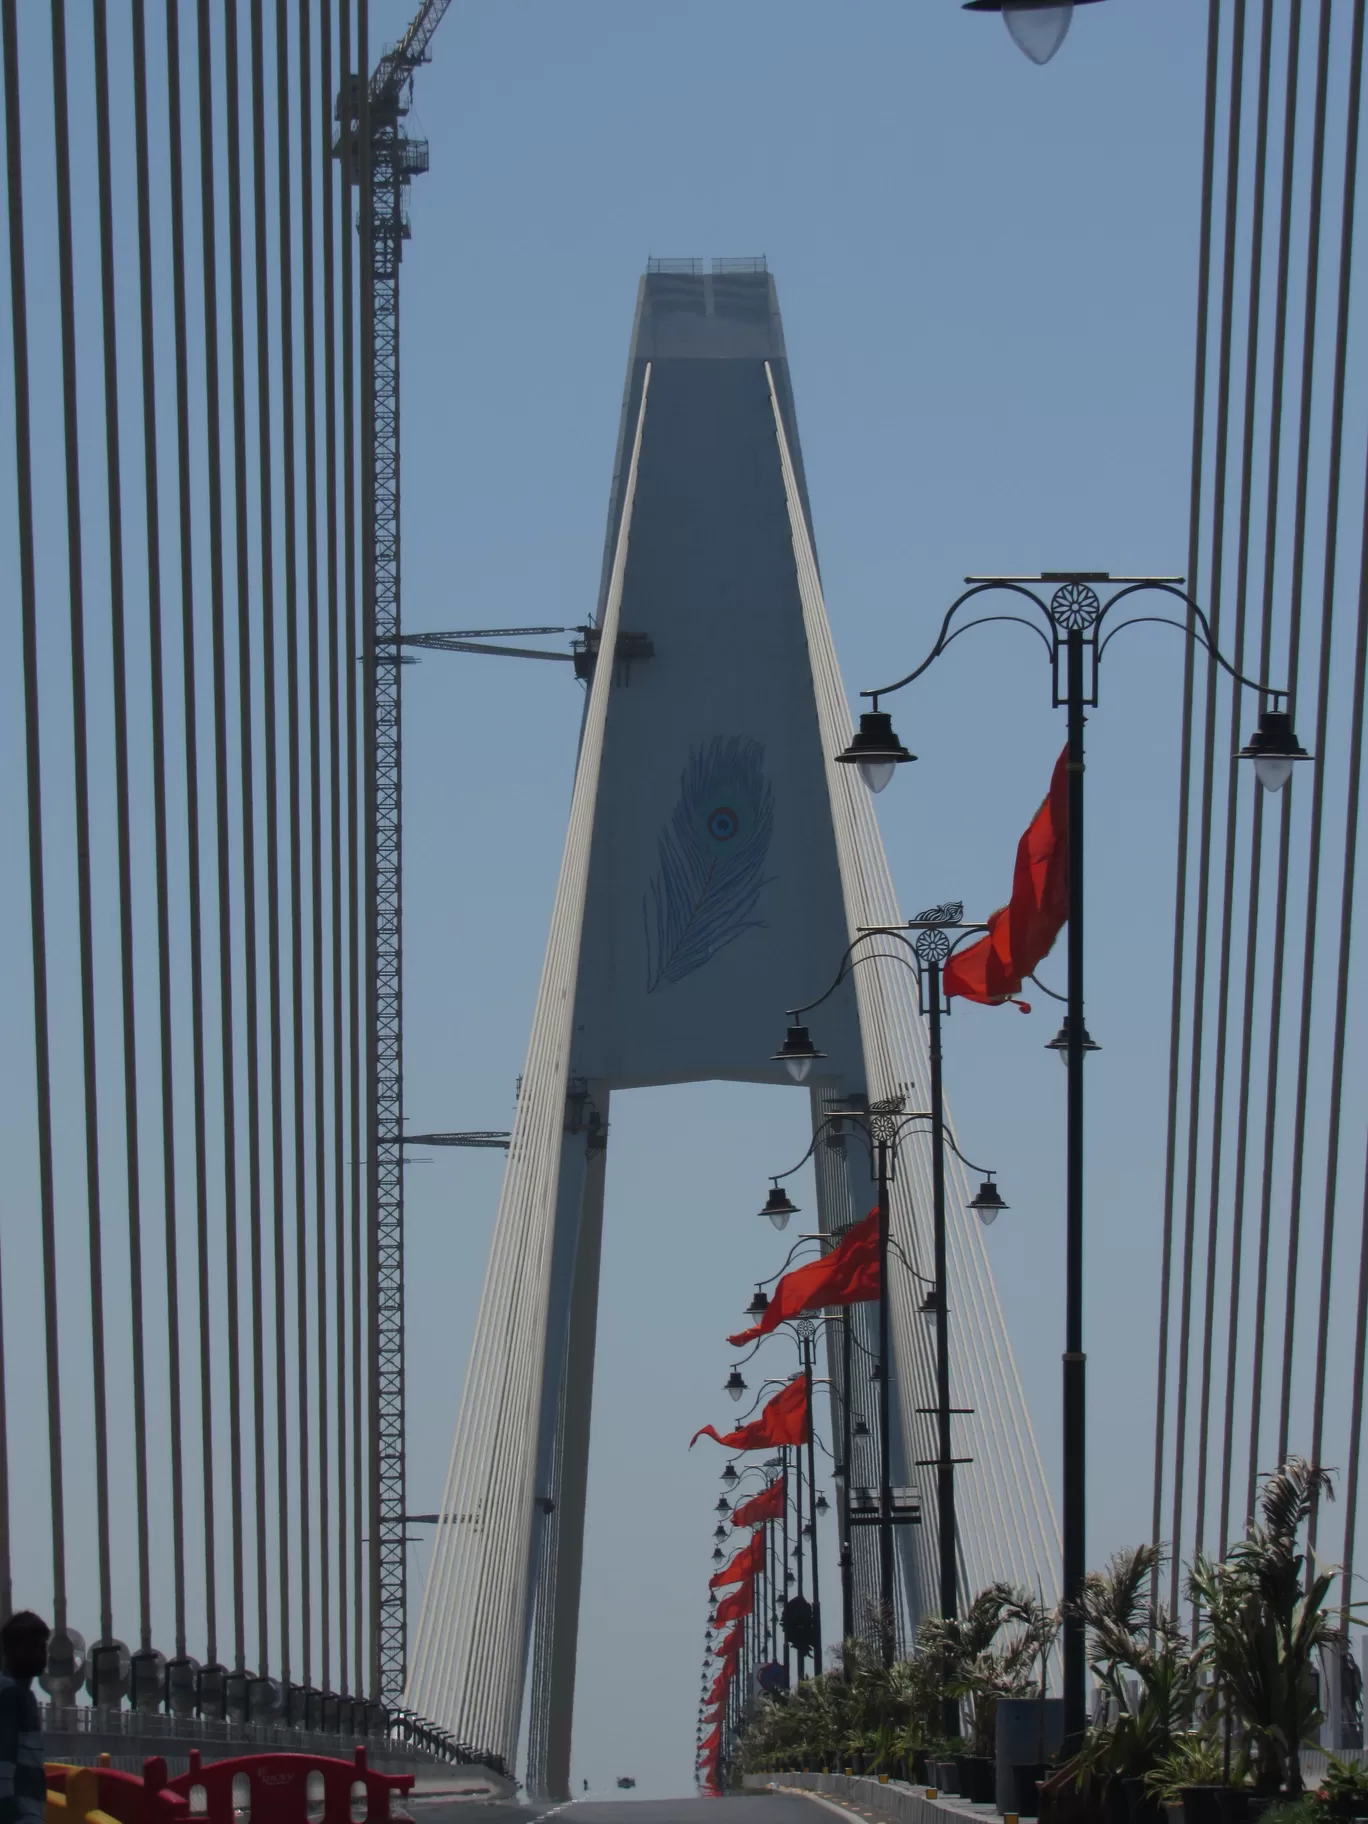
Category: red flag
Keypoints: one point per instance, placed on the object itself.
(783, 1421)
(740, 1603)
(745, 1563)
(846, 1276)
(726, 1672)
(710, 1742)
(1021, 933)
(731, 1646)
(767, 1505)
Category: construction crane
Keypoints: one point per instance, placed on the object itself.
(381, 160)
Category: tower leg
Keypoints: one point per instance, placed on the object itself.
(561, 1592)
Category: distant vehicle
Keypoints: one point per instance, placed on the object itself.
(626, 1782)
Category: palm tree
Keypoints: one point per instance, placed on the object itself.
(966, 1656)
(1130, 1635)
(1265, 1628)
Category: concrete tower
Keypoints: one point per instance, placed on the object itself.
(716, 866)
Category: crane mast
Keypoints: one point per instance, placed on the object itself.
(381, 161)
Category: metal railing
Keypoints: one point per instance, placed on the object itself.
(393, 1732)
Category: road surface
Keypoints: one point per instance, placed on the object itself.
(752, 1808)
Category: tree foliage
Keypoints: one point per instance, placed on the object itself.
(1237, 1696)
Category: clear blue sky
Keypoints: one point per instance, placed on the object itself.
(987, 274)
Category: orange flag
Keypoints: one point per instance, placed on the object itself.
(740, 1603)
(745, 1563)
(1021, 933)
(783, 1421)
(767, 1505)
(846, 1276)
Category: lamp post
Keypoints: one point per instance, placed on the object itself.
(805, 1331)
(805, 1328)
(885, 1124)
(1073, 636)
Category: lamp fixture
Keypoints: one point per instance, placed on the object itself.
(779, 1206)
(1060, 1042)
(931, 1304)
(729, 1476)
(875, 749)
(722, 1505)
(988, 1205)
(859, 1429)
(719, 1532)
(1037, 27)
(1274, 749)
(797, 1054)
(717, 1555)
(759, 1304)
(823, 1506)
(734, 1384)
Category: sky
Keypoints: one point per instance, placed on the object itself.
(987, 277)
(987, 273)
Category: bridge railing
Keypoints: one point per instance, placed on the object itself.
(395, 1732)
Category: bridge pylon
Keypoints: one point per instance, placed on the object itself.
(716, 865)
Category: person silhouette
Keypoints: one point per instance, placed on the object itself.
(23, 1650)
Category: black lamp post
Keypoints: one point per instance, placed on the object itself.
(1074, 617)
(806, 1329)
(876, 751)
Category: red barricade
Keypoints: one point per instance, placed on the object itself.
(287, 1789)
(126, 1796)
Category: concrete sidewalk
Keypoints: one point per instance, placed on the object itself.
(877, 1799)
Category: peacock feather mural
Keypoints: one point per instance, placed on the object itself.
(711, 862)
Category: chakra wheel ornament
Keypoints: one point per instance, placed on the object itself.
(1074, 607)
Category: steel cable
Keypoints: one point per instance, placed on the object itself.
(128, 1002)
(157, 705)
(294, 795)
(1214, 613)
(1276, 391)
(896, 1043)
(366, 884)
(322, 1544)
(193, 859)
(1295, 593)
(223, 825)
(330, 85)
(1204, 243)
(81, 779)
(271, 804)
(246, 756)
(1332, 498)
(467, 1658)
(1229, 843)
(1333, 1101)
(33, 782)
(351, 357)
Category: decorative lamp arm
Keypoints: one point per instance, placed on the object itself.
(848, 962)
(944, 637)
